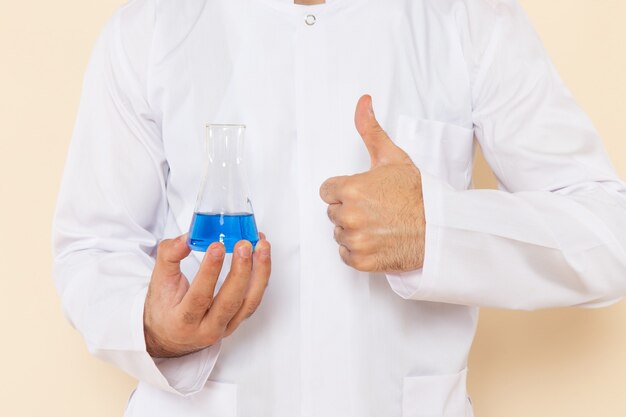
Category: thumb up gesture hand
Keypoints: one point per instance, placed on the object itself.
(378, 214)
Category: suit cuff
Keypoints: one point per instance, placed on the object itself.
(184, 376)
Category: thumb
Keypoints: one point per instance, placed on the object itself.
(381, 148)
(169, 254)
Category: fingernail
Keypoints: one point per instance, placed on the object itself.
(245, 251)
(216, 253)
(181, 239)
(371, 107)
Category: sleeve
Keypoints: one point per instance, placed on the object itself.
(554, 234)
(112, 208)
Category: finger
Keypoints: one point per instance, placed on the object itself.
(338, 235)
(330, 190)
(381, 148)
(261, 269)
(169, 254)
(360, 262)
(354, 260)
(229, 299)
(333, 213)
(344, 254)
(262, 236)
(199, 297)
(348, 217)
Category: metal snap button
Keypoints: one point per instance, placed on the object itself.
(310, 20)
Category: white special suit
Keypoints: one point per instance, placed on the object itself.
(329, 341)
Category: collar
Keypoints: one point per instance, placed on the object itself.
(288, 6)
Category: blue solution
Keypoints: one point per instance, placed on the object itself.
(229, 229)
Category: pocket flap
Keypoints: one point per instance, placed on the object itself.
(435, 396)
(441, 149)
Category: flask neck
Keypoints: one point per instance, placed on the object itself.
(224, 189)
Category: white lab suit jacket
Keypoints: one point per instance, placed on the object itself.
(329, 341)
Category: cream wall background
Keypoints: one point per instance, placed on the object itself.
(541, 364)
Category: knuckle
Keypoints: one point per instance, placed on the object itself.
(223, 318)
(212, 337)
(252, 307)
(201, 300)
(354, 240)
(228, 311)
(230, 329)
(162, 248)
(350, 220)
(241, 264)
(249, 312)
(189, 317)
(352, 191)
(232, 306)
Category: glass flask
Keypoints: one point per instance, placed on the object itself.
(223, 210)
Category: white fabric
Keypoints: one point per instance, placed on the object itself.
(328, 340)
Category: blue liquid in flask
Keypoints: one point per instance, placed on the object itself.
(229, 229)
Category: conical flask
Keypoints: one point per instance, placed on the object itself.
(223, 211)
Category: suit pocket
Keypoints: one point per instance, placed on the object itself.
(440, 149)
(216, 399)
(435, 396)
